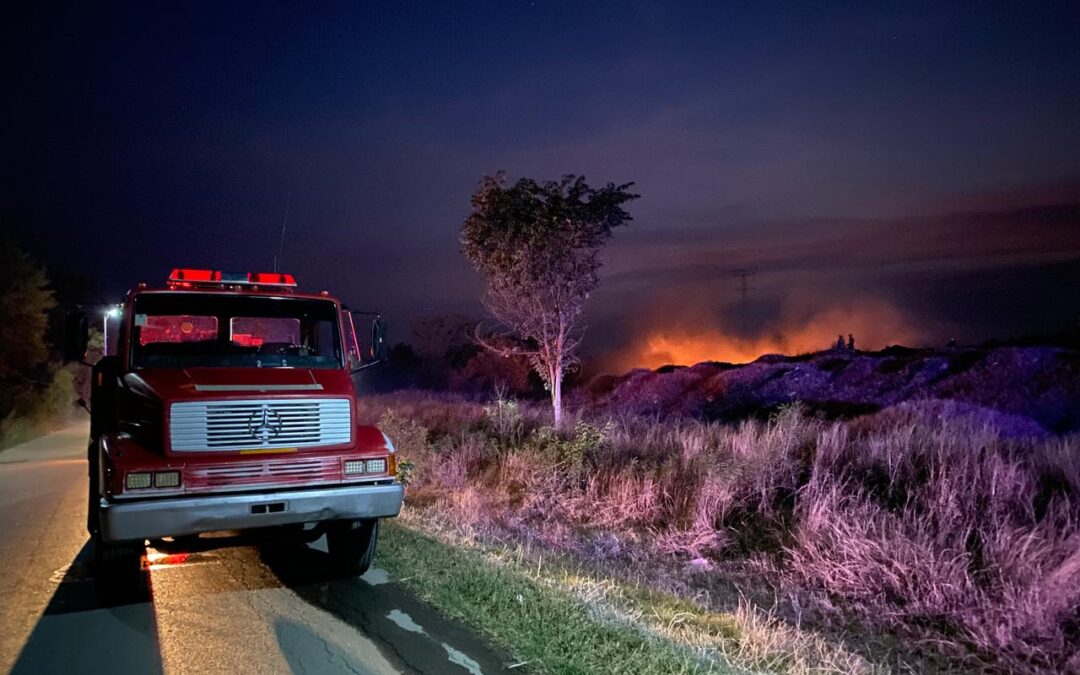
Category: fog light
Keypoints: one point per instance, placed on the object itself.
(354, 466)
(138, 481)
(167, 479)
(376, 466)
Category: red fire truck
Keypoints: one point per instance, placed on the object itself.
(228, 404)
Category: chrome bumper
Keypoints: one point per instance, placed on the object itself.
(151, 519)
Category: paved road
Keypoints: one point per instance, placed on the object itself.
(234, 609)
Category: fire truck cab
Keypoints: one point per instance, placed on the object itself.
(228, 404)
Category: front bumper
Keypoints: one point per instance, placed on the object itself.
(151, 519)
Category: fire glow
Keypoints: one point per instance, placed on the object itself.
(874, 325)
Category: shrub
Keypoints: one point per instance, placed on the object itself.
(407, 435)
(42, 409)
(569, 451)
(405, 470)
(505, 419)
(410, 439)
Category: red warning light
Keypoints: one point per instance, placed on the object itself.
(184, 274)
(185, 277)
(271, 279)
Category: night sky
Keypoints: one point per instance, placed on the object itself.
(909, 173)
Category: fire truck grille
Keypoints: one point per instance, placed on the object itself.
(274, 472)
(259, 424)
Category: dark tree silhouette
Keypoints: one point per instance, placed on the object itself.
(25, 301)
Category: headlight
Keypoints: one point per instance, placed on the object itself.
(167, 479)
(357, 467)
(141, 480)
(137, 481)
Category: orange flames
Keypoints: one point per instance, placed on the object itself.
(874, 325)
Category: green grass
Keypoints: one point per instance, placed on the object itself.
(540, 623)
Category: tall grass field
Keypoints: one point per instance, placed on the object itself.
(907, 539)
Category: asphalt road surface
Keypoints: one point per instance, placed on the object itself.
(241, 608)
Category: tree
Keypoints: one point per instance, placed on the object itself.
(538, 245)
(25, 301)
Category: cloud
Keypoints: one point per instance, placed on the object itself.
(962, 240)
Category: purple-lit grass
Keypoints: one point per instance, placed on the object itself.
(931, 527)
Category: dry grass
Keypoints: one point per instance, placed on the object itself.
(931, 529)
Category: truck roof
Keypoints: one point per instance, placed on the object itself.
(247, 284)
(231, 290)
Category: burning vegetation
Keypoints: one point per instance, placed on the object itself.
(795, 330)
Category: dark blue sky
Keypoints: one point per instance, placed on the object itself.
(915, 161)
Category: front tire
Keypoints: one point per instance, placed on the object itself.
(351, 544)
(93, 496)
(118, 572)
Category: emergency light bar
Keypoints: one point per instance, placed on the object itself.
(183, 277)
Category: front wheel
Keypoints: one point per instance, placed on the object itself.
(351, 544)
(118, 571)
(93, 496)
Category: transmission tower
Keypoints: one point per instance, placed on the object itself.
(745, 275)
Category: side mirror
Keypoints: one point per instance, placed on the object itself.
(76, 335)
(366, 355)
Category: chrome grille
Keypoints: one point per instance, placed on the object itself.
(259, 424)
(273, 472)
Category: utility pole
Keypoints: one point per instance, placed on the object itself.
(744, 275)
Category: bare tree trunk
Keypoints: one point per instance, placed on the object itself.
(556, 396)
(557, 373)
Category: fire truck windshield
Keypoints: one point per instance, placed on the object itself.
(184, 330)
